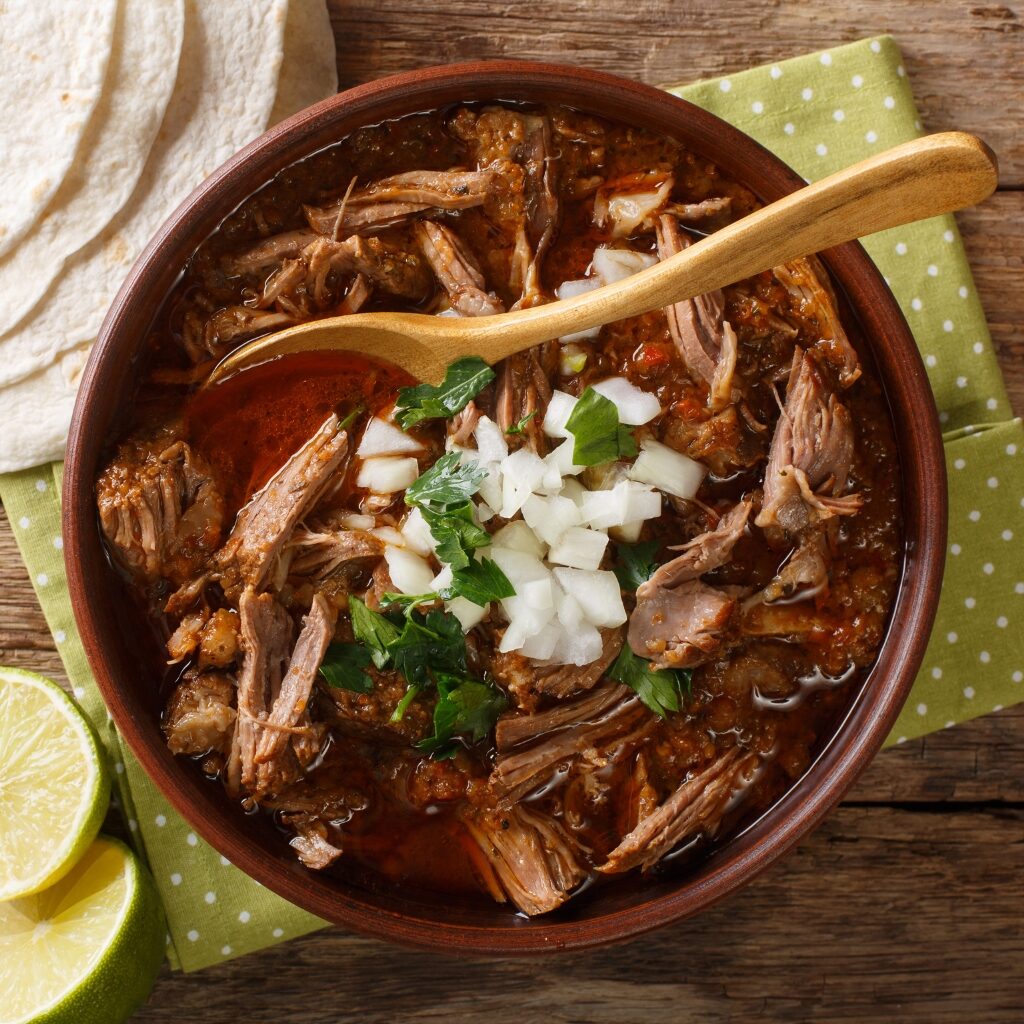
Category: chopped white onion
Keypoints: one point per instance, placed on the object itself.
(612, 265)
(491, 487)
(580, 548)
(490, 440)
(570, 612)
(409, 573)
(634, 405)
(541, 644)
(518, 536)
(387, 474)
(597, 593)
(484, 512)
(442, 580)
(356, 521)
(468, 613)
(580, 646)
(560, 459)
(520, 567)
(417, 533)
(549, 518)
(521, 473)
(569, 290)
(559, 410)
(667, 469)
(389, 535)
(627, 533)
(573, 490)
(383, 438)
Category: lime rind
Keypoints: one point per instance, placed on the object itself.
(52, 798)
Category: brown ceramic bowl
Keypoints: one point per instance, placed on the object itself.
(116, 640)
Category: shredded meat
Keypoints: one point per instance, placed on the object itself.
(696, 806)
(321, 553)
(160, 509)
(811, 454)
(523, 388)
(678, 619)
(530, 856)
(264, 526)
(200, 716)
(705, 339)
(456, 270)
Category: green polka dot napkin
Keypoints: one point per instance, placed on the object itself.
(818, 113)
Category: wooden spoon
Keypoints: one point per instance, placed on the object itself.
(929, 176)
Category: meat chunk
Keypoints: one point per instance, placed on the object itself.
(266, 633)
(523, 388)
(599, 731)
(399, 198)
(696, 806)
(292, 700)
(705, 339)
(456, 270)
(200, 714)
(697, 212)
(218, 639)
(160, 510)
(528, 857)
(529, 681)
(264, 526)
(678, 620)
(319, 553)
(811, 454)
(236, 322)
(312, 841)
(803, 576)
(807, 284)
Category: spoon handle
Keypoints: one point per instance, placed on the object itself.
(929, 176)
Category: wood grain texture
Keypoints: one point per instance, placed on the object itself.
(907, 903)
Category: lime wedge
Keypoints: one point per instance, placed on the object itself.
(54, 787)
(86, 950)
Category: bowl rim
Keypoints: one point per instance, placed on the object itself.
(911, 406)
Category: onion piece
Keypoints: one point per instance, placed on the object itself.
(468, 613)
(579, 548)
(580, 646)
(518, 536)
(490, 440)
(569, 290)
(521, 473)
(541, 645)
(612, 265)
(383, 438)
(549, 518)
(597, 593)
(409, 573)
(634, 405)
(357, 521)
(557, 414)
(668, 470)
(387, 474)
(389, 535)
(417, 533)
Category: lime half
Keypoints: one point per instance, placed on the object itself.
(54, 787)
(86, 950)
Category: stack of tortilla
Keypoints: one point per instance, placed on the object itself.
(114, 110)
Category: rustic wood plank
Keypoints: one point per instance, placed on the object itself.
(965, 59)
(883, 914)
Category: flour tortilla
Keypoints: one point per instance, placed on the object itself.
(54, 59)
(310, 70)
(140, 77)
(227, 78)
(37, 408)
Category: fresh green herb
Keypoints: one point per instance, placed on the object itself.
(351, 417)
(464, 707)
(343, 667)
(406, 601)
(518, 428)
(598, 435)
(660, 689)
(446, 485)
(463, 381)
(457, 534)
(636, 563)
(431, 642)
(403, 705)
(373, 629)
(480, 582)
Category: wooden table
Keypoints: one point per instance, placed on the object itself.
(907, 903)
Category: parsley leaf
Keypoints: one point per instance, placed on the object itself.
(373, 629)
(597, 434)
(660, 689)
(463, 381)
(464, 707)
(636, 563)
(446, 485)
(343, 666)
(480, 582)
(518, 428)
(457, 534)
(429, 642)
(406, 601)
(403, 705)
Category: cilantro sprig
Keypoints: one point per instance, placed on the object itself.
(597, 434)
(446, 485)
(480, 582)
(344, 667)
(465, 707)
(636, 563)
(456, 533)
(518, 428)
(661, 690)
(463, 381)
